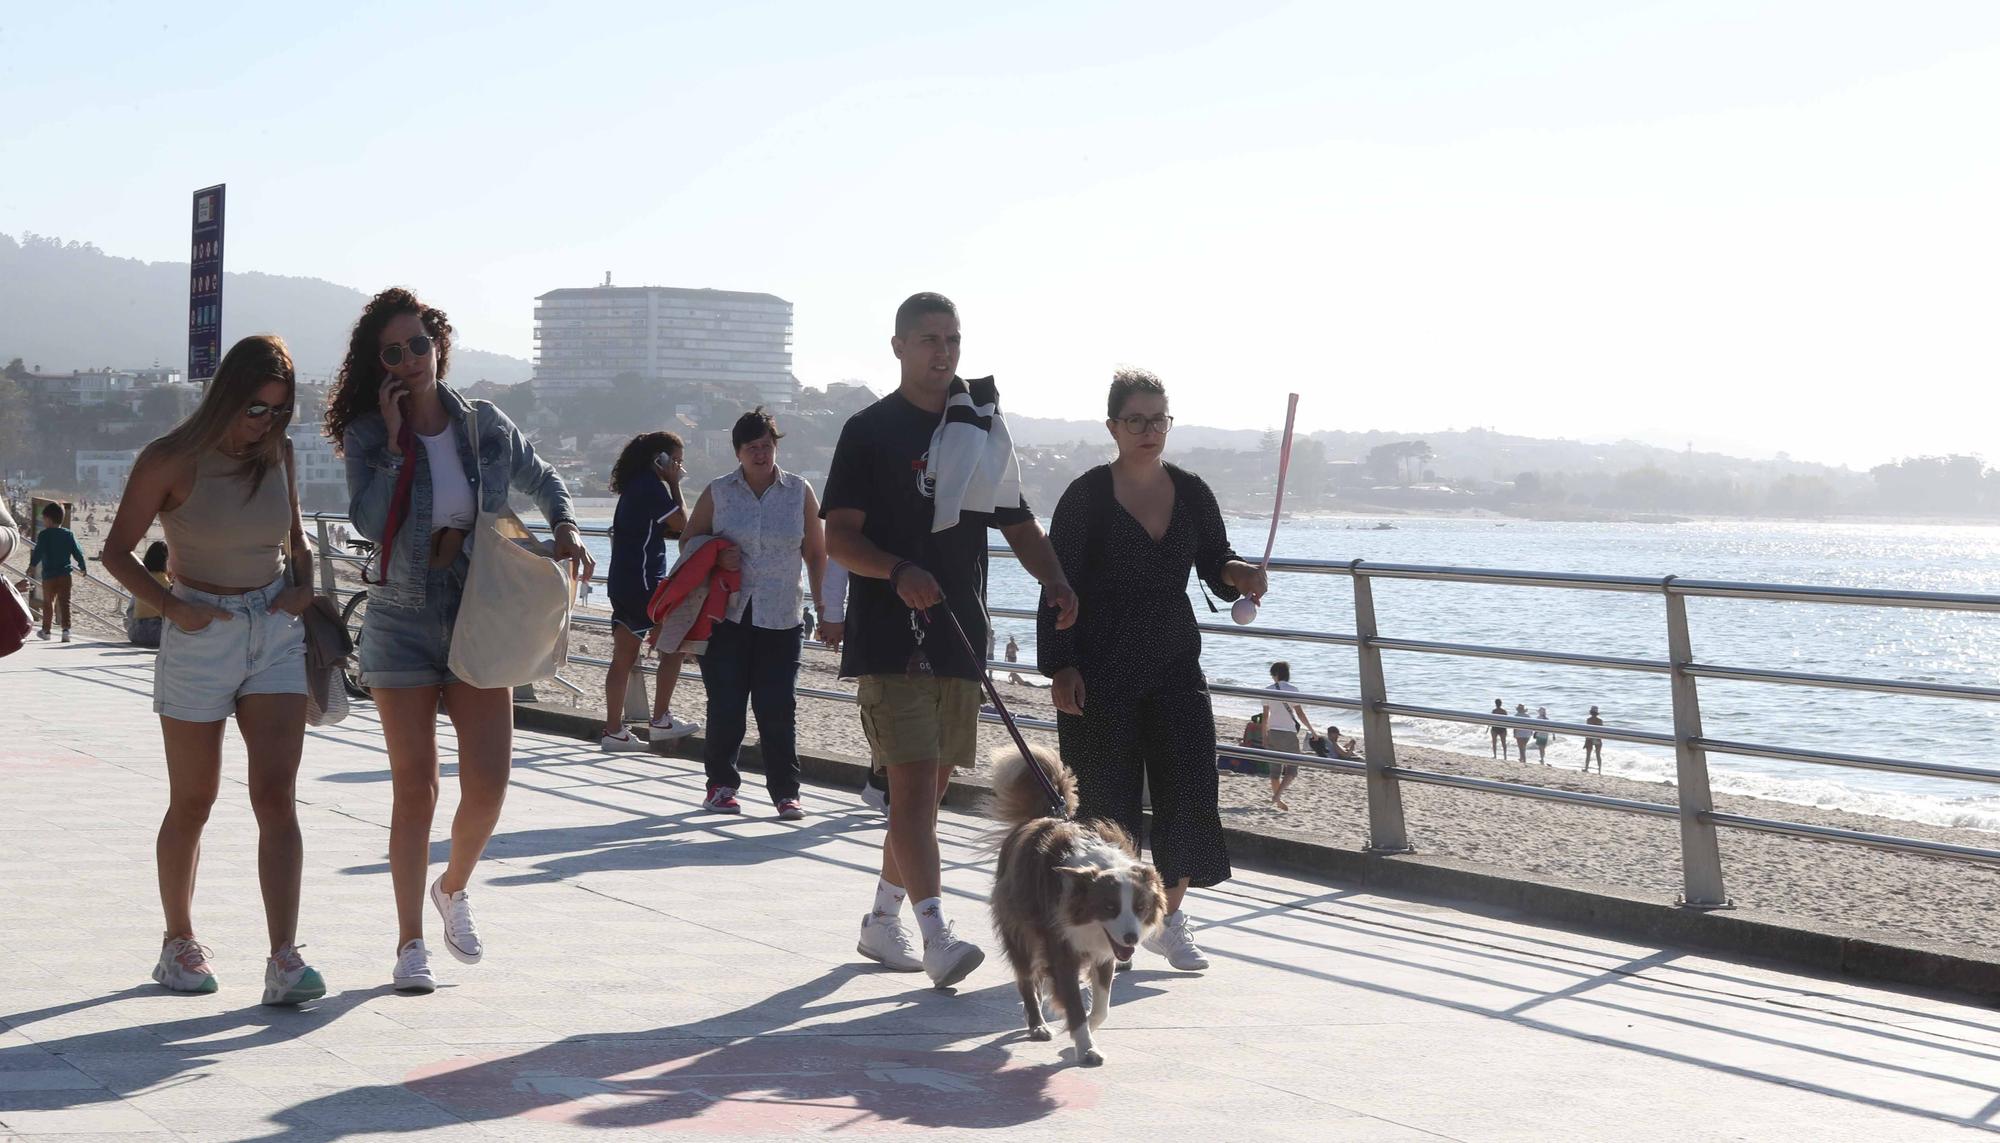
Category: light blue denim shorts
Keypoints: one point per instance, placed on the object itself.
(411, 646)
(199, 675)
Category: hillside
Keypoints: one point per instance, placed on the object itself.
(66, 306)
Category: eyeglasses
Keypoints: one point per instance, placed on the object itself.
(260, 410)
(1138, 423)
(419, 346)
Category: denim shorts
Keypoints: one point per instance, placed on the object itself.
(200, 674)
(411, 646)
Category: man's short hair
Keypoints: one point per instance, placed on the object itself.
(917, 305)
(1281, 671)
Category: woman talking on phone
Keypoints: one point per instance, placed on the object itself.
(417, 477)
(647, 479)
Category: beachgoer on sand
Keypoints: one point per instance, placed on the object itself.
(1522, 733)
(1542, 737)
(1499, 733)
(1593, 746)
(1282, 721)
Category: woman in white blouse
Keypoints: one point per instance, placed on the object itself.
(772, 518)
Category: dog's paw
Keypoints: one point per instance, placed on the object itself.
(1041, 1032)
(1090, 1059)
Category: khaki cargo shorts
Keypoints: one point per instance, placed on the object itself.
(920, 718)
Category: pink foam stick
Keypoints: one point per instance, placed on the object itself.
(1284, 464)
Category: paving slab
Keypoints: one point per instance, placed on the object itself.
(654, 972)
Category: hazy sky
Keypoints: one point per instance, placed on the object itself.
(1753, 226)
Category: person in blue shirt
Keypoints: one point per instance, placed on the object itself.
(647, 479)
(55, 555)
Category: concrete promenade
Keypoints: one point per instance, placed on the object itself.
(652, 971)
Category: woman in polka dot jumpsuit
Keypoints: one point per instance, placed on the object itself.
(1133, 705)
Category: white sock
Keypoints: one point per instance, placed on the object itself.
(930, 918)
(888, 898)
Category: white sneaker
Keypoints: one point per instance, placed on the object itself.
(461, 936)
(950, 958)
(413, 969)
(183, 966)
(42, 635)
(1175, 941)
(885, 941)
(623, 741)
(65, 635)
(671, 729)
(875, 796)
(289, 980)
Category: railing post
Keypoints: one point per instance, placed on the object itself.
(1386, 832)
(327, 583)
(1701, 858)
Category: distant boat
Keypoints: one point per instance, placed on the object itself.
(1385, 526)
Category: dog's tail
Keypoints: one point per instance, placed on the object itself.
(1017, 796)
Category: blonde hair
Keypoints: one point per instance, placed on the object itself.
(249, 365)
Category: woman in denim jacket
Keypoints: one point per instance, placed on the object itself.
(416, 483)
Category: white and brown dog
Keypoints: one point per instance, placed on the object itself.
(1067, 896)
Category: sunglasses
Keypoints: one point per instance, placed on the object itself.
(419, 346)
(259, 410)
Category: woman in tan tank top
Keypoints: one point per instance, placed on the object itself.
(220, 484)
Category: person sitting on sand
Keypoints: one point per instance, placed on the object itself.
(1521, 733)
(1499, 732)
(1593, 745)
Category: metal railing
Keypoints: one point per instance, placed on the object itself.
(1701, 862)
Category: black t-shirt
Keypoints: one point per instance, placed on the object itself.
(881, 466)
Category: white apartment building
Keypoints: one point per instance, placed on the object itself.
(585, 337)
(104, 471)
(322, 475)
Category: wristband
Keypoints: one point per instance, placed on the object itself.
(896, 573)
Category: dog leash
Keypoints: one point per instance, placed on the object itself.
(1058, 808)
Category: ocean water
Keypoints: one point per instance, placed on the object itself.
(1898, 643)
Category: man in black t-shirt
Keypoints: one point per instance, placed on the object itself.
(919, 689)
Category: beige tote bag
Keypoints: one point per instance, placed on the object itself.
(513, 624)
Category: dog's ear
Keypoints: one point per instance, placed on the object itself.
(1151, 896)
(1080, 875)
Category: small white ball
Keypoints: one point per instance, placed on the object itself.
(1244, 611)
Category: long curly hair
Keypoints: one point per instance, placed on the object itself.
(638, 454)
(357, 389)
(249, 365)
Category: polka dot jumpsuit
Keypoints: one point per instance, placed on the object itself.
(1146, 716)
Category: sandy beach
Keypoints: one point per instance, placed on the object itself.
(1820, 881)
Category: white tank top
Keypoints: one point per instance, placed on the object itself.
(451, 492)
(771, 531)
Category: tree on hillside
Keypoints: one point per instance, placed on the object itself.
(1932, 484)
(518, 401)
(1390, 461)
(15, 419)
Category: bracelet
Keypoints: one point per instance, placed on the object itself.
(896, 572)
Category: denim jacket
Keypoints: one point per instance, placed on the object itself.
(504, 458)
